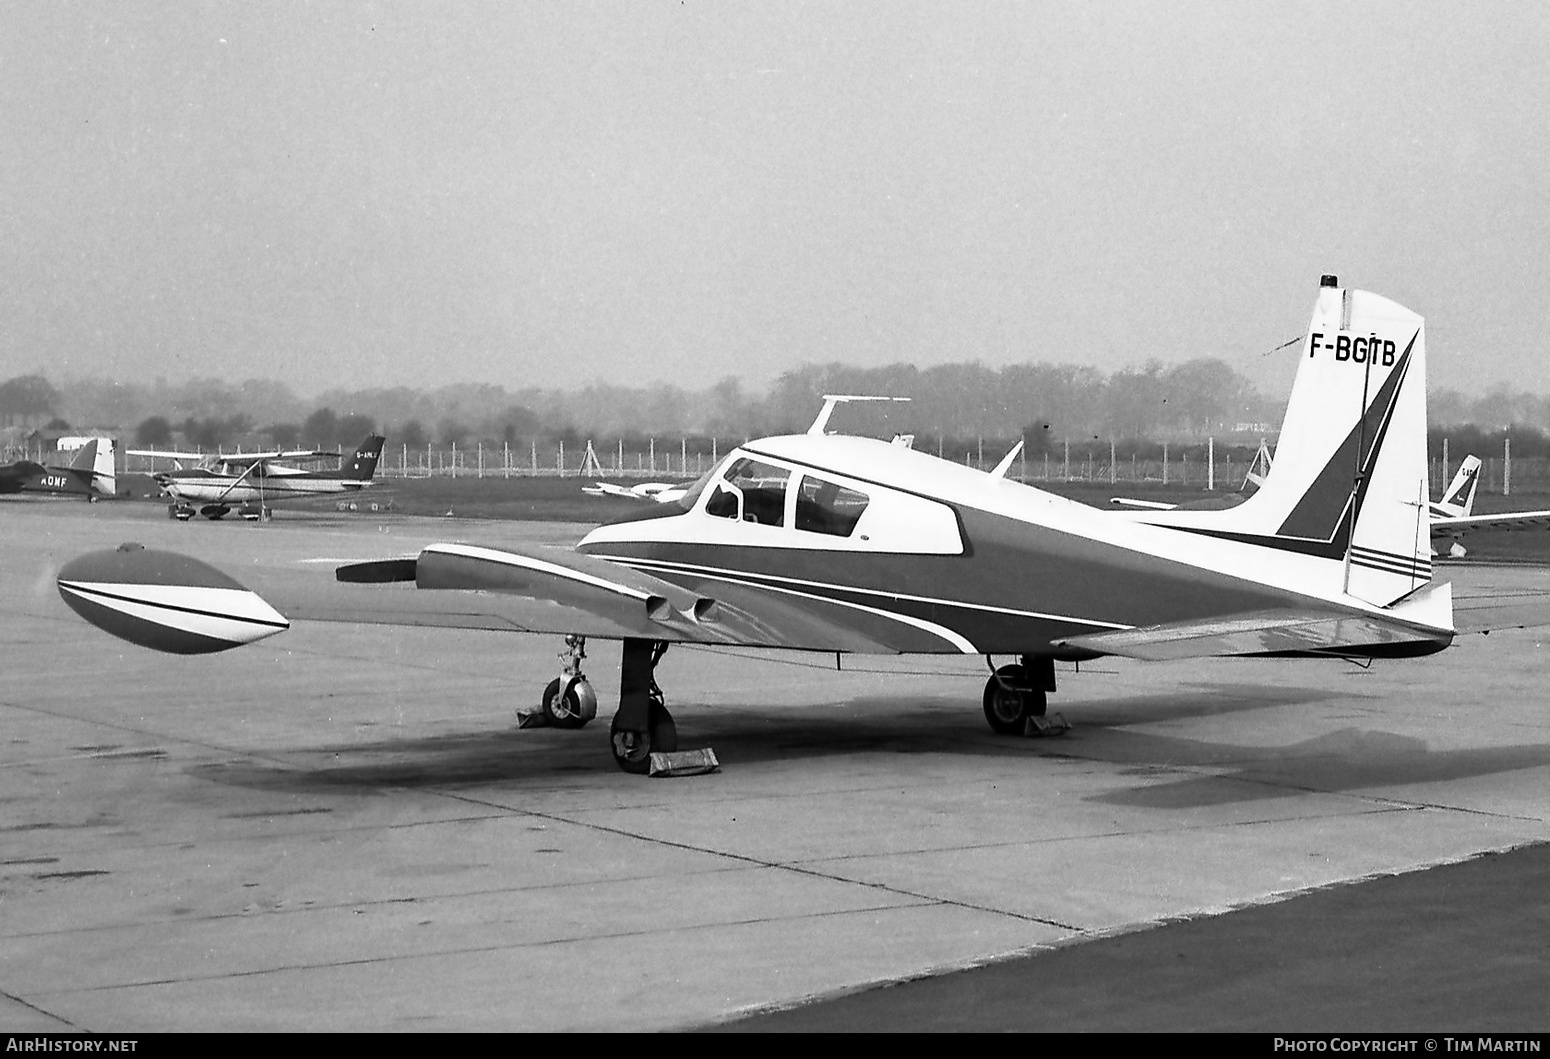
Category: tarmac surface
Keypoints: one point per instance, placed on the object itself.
(340, 828)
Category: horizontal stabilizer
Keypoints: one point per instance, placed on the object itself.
(1507, 520)
(1270, 632)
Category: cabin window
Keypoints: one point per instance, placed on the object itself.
(752, 492)
(828, 507)
(724, 503)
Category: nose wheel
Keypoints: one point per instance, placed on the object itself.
(569, 701)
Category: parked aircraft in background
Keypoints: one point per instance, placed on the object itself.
(842, 544)
(658, 492)
(89, 474)
(252, 482)
(1452, 517)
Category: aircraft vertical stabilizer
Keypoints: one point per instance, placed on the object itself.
(1459, 500)
(1349, 481)
(104, 472)
(363, 465)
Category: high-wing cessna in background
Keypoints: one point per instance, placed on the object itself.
(252, 482)
(830, 543)
(90, 474)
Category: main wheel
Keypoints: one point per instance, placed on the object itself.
(633, 749)
(567, 710)
(1009, 702)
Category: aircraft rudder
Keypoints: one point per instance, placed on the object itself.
(105, 469)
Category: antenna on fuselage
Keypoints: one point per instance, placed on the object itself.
(832, 399)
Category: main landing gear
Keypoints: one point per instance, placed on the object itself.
(1016, 697)
(641, 727)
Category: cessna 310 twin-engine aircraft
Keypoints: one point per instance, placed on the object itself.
(831, 543)
(252, 482)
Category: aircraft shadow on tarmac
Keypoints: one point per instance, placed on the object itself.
(862, 726)
(1345, 760)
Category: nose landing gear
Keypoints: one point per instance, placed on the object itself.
(569, 701)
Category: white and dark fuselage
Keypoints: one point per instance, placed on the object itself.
(258, 481)
(944, 558)
(268, 485)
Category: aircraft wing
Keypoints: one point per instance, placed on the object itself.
(1144, 505)
(1456, 525)
(1280, 631)
(610, 489)
(167, 455)
(157, 598)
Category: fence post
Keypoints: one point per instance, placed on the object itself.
(1506, 467)
(1210, 463)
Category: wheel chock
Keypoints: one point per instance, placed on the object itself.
(533, 718)
(1046, 727)
(685, 763)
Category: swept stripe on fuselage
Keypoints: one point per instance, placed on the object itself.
(1018, 586)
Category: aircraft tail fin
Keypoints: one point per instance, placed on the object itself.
(1349, 482)
(363, 465)
(1458, 501)
(104, 468)
(84, 457)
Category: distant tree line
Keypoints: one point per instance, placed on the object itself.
(1052, 406)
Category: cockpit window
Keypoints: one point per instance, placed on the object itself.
(828, 507)
(751, 491)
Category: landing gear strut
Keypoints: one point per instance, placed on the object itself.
(569, 701)
(1016, 695)
(642, 726)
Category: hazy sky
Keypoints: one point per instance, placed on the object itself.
(559, 193)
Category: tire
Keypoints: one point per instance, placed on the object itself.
(632, 753)
(562, 711)
(1007, 708)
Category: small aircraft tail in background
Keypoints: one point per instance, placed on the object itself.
(1459, 498)
(363, 465)
(96, 458)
